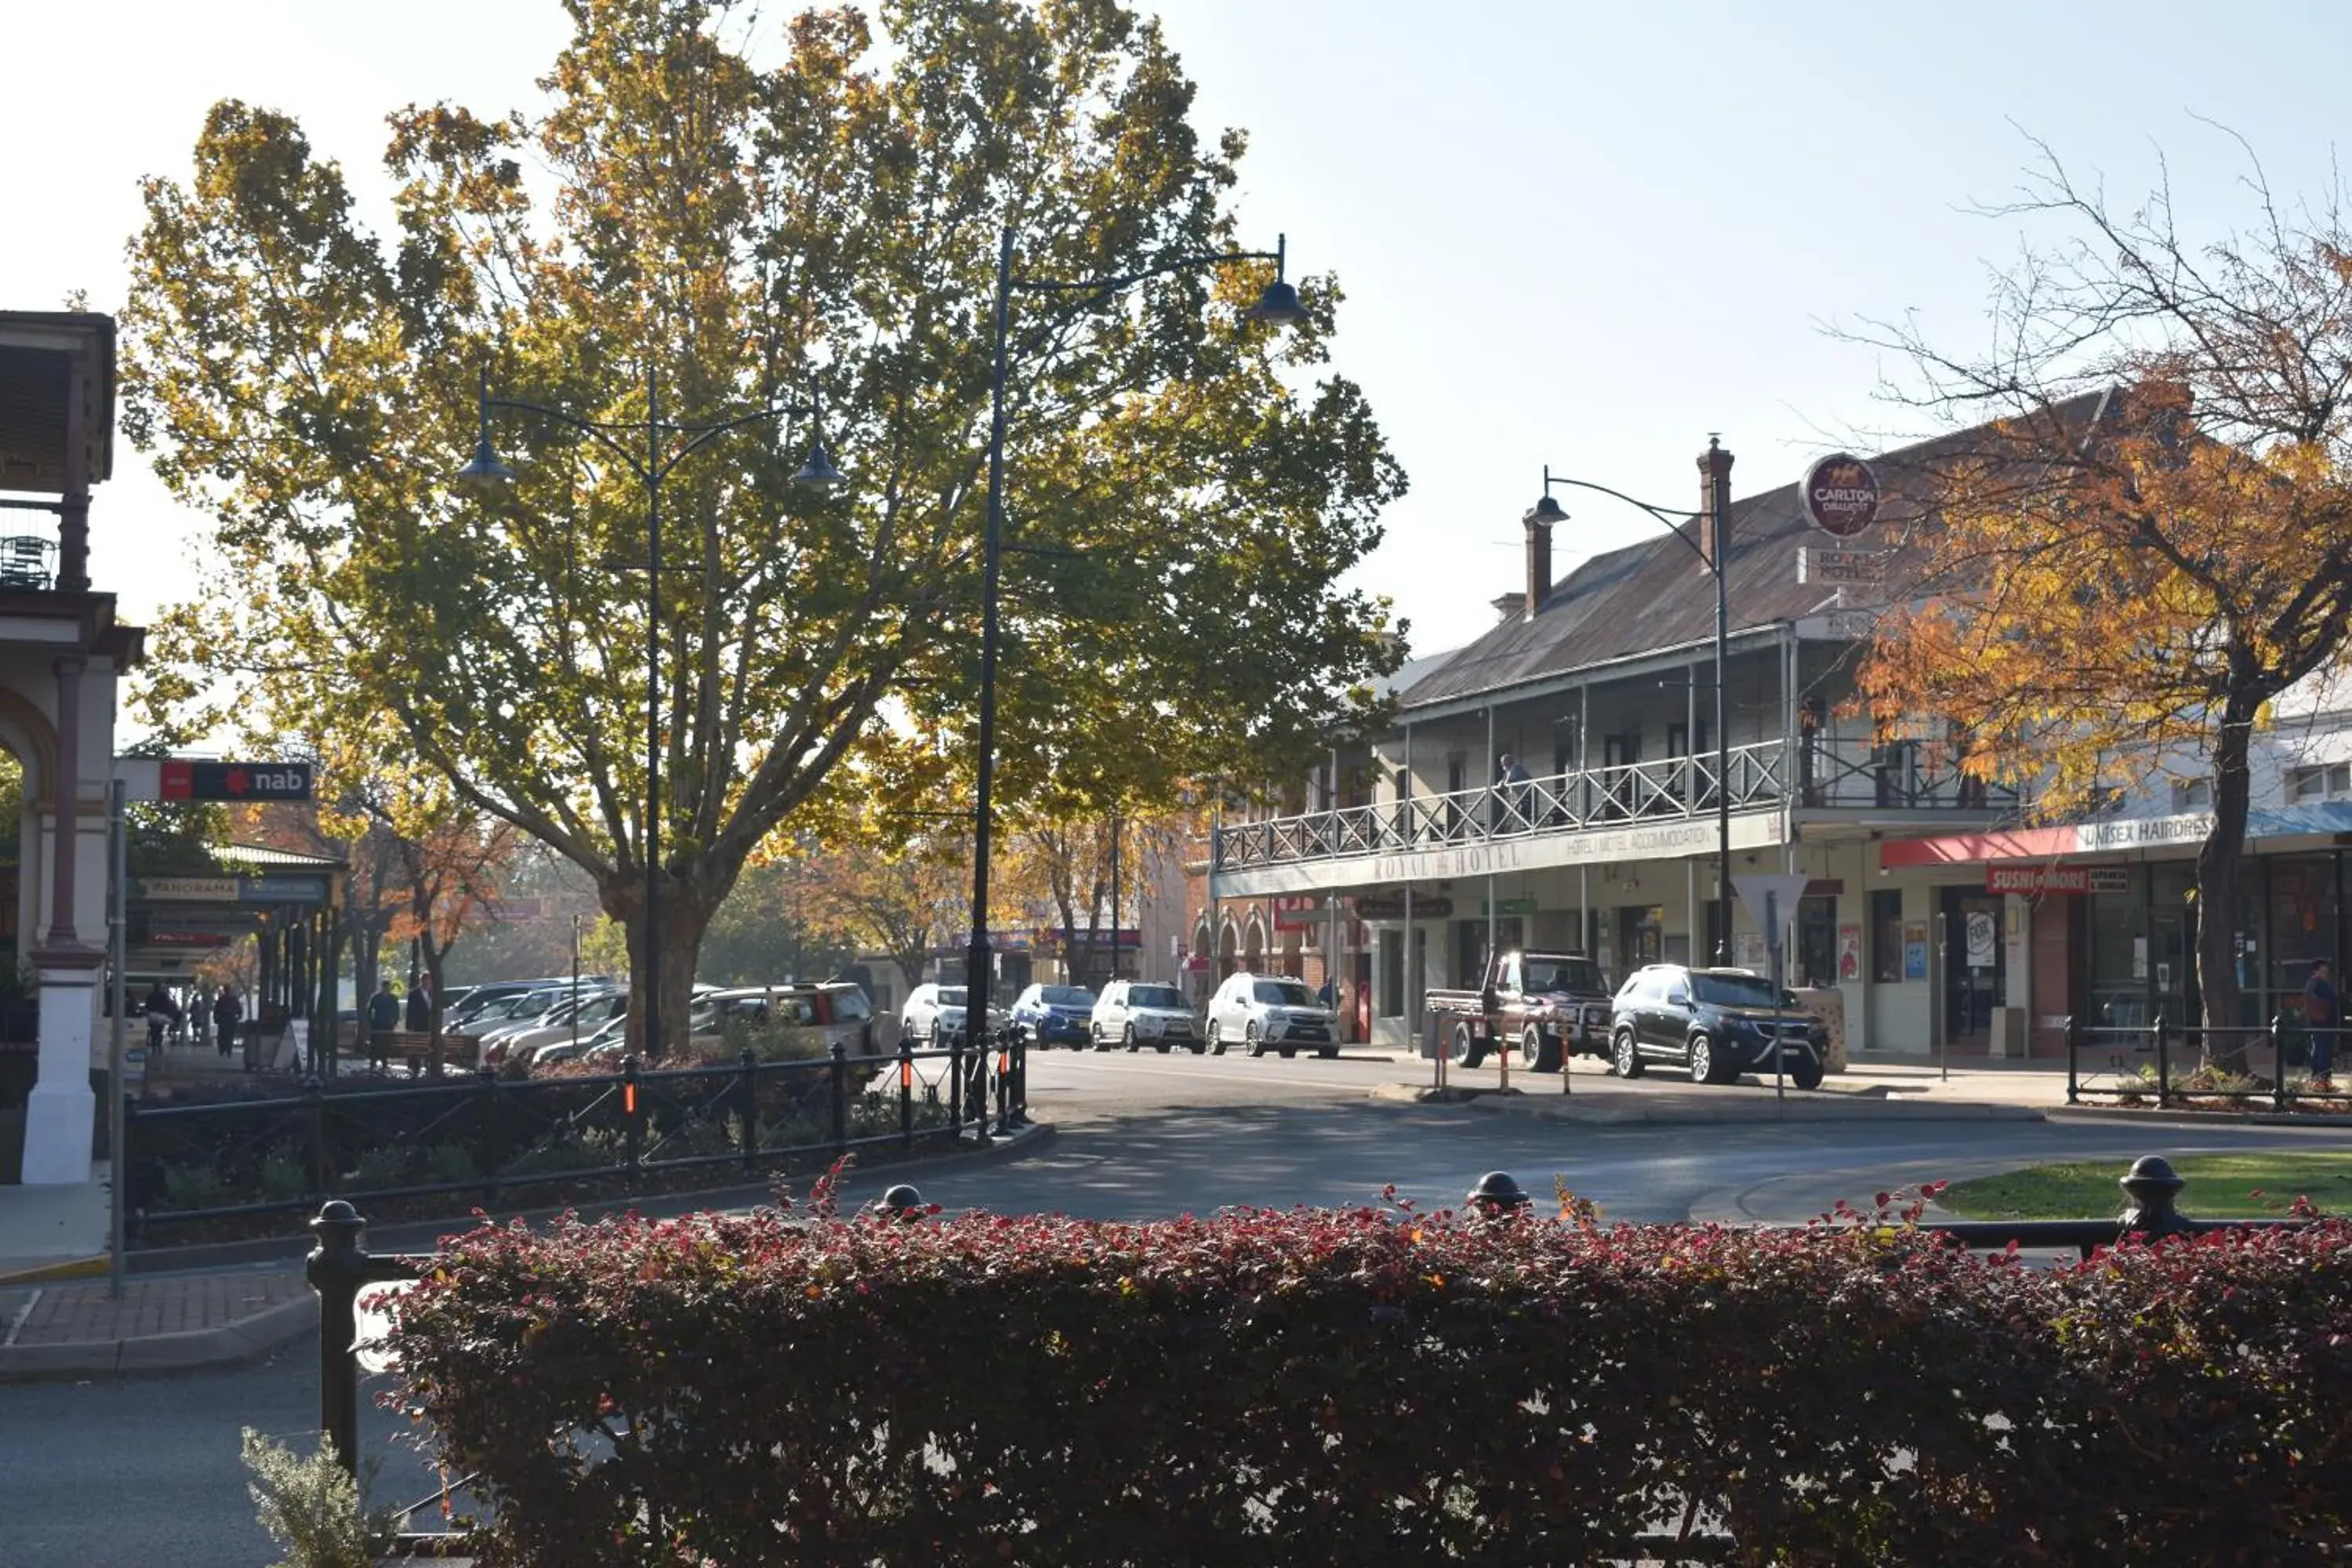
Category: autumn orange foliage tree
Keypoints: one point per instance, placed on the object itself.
(2144, 536)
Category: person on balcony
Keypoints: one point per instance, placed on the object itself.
(1513, 800)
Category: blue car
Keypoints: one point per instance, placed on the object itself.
(1053, 1016)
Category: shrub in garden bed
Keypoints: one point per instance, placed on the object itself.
(1374, 1387)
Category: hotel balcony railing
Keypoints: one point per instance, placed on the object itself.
(1831, 774)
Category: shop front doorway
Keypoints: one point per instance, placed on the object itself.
(1974, 966)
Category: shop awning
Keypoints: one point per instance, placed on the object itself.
(2322, 819)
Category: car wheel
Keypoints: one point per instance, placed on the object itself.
(1288, 1052)
(1126, 1037)
(1705, 1067)
(1327, 1053)
(1625, 1057)
(1101, 1042)
(1469, 1050)
(1216, 1040)
(1538, 1054)
(1806, 1072)
(1253, 1039)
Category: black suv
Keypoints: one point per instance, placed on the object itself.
(1716, 1023)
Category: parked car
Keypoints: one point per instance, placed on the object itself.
(934, 1015)
(833, 1010)
(602, 1050)
(1545, 1004)
(559, 1024)
(1048, 1015)
(1134, 1014)
(1714, 1023)
(1270, 1012)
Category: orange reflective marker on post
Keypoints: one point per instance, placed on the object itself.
(905, 1075)
(628, 1099)
(1003, 1062)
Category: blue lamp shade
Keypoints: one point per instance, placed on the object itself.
(1279, 306)
(818, 472)
(484, 470)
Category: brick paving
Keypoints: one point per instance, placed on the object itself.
(80, 1312)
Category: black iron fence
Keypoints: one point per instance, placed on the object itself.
(484, 1136)
(340, 1269)
(2275, 1065)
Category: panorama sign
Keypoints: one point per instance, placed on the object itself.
(1841, 495)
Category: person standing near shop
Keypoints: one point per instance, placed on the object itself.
(383, 1017)
(2319, 1021)
(228, 1013)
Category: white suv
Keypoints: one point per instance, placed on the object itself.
(1270, 1010)
(934, 1015)
(1134, 1014)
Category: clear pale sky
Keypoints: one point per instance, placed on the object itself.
(1573, 233)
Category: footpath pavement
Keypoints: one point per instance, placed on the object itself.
(1873, 1089)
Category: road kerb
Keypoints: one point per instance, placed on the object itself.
(225, 1345)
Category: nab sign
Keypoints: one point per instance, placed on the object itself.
(186, 780)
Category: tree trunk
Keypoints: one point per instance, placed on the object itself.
(2218, 863)
(686, 911)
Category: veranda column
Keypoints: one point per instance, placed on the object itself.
(60, 1114)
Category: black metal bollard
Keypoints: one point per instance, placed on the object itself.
(2278, 1062)
(487, 1129)
(2154, 1188)
(955, 1085)
(1497, 1195)
(633, 1116)
(338, 1269)
(905, 1092)
(2073, 1059)
(748, 1108)
(901, 1203)
(314, 1114)
(840, 1096)
(2163, 1066)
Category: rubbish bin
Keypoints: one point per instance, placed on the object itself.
(1433, 1032)
(253, 1055)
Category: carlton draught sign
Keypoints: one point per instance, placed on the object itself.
(1841, 495)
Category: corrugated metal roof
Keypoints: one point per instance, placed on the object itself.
(264, 854)
(1658, 594)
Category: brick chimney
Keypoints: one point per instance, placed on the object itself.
(1538, 566)
(1714, 498)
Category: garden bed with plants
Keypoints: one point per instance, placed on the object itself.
(242, 1165)
(1381, 1385)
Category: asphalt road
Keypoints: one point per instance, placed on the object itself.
(97, 1475)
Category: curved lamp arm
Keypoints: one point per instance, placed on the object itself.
(1672, 519)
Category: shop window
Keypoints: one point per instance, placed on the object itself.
(2327, 781)
(2191, 794)
(1887, 935)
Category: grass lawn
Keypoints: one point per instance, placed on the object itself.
(2220, 1186)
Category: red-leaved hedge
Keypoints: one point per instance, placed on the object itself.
(1371, 1386)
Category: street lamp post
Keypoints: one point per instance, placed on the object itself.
(1279, 306)
(664, 451)
(1715, 464)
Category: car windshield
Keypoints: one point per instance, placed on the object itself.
(950, 995)
(1286, 993)
(1735, 990)
(1154, 996)
(1066, 996)
(1563, 975)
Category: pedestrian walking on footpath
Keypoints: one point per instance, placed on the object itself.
(2319, 1021)
(162, 1013)
(228, 1013)
(382, 1019)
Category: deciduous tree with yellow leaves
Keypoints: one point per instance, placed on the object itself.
(2143, 536)
(1187, 492)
